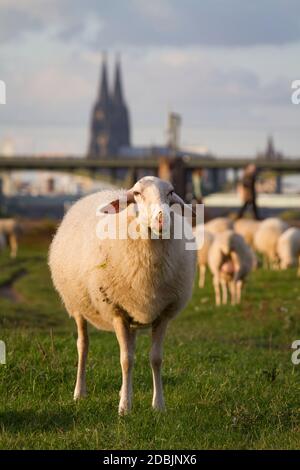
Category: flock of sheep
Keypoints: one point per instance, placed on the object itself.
(126, 284)
(230, 248)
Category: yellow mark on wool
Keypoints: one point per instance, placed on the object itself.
(102, 265)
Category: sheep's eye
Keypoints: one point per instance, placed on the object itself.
(136, 193)
(171, 192)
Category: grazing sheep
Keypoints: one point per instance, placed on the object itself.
(126, 283)
(266, 239)
(219, 224)
(203, 256)
(247, 229)
(10, 229)
(288, 248)
(230, 260)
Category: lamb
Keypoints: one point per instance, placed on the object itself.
(10, 229)
(203, 256)
(247, 229)
(266, 239)
(124, 283)
(230, 260)
(288, 249)
(219, 224)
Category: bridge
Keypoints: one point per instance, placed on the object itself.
(178, 168)
(72, 163)
(125, 171)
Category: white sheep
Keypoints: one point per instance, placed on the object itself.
(126, 283)
(219, 224)
(288, 249)
(247, 229)
(203, 255)
(230, 260)
(266, 239)
(9, 230)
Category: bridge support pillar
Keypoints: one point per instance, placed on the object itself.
(132, 177)
(173, 169)
(215, 180)
(278, 183)
(2, 196)
(235, 177)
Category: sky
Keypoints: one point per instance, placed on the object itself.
(225, 65)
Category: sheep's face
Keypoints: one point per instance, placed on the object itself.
(153, 198)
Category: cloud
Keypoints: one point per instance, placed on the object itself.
(157, 23)
(14, 23)
(60, 85)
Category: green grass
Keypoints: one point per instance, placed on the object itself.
(229, 381)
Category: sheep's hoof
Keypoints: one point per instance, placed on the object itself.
(123, 410)
(160, 407)
(79, 395)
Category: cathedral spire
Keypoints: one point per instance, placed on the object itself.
(104, 93)
(118, 93)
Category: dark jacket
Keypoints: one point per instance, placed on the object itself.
(248, 183)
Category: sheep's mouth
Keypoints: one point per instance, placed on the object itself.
(161, 232)
(228, 267)
(154, 233)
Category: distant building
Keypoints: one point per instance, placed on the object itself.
(270, 153)
(110, 128)
(110, 138)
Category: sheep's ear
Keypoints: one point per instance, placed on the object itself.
(114, 207)
(175, 199)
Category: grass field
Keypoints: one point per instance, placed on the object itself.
(229, 380)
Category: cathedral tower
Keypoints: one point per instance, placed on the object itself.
(110, 119)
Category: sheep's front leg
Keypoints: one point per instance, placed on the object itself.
(126, 338)
(224, 292)
(13, 244)
(158, 334)
(202, 271)
(233, 292)
(82, 348)
(239, 286)
(216, 283)
(298, 271)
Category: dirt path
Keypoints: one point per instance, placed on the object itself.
(7, 289)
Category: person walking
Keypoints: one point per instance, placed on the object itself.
(248, 191)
